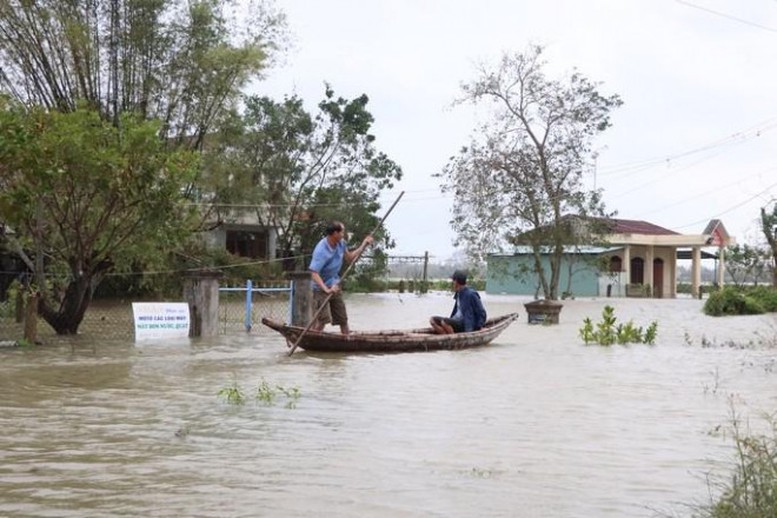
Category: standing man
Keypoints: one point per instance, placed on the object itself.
(325, 268)
(468, 312)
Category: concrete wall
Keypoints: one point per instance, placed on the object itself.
(513, 275)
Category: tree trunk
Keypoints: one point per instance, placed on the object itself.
(555, 271)
(555, 274)
(67, 319)
(540, 271)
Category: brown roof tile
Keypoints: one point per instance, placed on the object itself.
(632, 226)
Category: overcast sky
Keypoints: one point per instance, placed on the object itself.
(696, 138)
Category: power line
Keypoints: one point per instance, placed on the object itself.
(751, 198)
(343, 203)
(738, 181)
(735, 138)
(662, 176)
(724, 15)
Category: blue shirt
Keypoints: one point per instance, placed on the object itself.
(327, 261)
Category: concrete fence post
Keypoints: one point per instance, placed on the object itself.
(201, 292)
(31, 318)
(301, 298)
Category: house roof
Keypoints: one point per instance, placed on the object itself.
(577, 250)
(712, 226)
(598, 250)
(718, 235)
(637, 232)
(633, 226)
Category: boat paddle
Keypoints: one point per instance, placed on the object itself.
(345, 273)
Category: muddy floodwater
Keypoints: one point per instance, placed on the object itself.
(536, 424)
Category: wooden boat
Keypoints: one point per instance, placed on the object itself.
(390, 341)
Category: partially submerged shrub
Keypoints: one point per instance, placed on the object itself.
(232, 394)
(766, 297)
(733, 300)
(265, 393)
(608, 331)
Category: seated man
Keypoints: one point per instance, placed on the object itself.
(468, 312)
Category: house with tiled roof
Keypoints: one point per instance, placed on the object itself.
(632, 258)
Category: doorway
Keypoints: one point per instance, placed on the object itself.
(658, 278)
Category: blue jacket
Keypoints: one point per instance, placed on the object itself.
(472, 310)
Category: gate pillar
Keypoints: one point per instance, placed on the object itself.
(301, 298)
(201, 292)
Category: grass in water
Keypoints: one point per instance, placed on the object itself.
(292, 395)
(751, 490)
(265, 393)
(232, 394)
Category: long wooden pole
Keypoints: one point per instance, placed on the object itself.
(348, 269)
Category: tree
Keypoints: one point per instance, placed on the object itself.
(746, 264)
(522, 173)
(578, 262)
(769, 228)
(85, 197)
(178, 61)
(182, 62)
(296, 171)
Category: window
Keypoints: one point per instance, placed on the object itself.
(637, 271)
(247, 244)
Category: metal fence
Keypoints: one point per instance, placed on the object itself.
(104, 320)
(10, 329)
(241, 309)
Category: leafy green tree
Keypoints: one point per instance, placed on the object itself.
(769, 228)
(295, 171)
(84, 198)
(521, 175)
(182, 62)
(179, 61)
(746, 264)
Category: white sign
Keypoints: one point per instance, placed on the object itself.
(161, 319)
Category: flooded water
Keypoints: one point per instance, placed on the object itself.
(536, 424)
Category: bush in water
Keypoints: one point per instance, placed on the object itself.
(608, 331)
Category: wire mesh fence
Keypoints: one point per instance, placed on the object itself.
(109, 319)
(104, 320)
(10, 328)
(239, 311)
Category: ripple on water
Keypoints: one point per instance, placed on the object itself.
(535, 425)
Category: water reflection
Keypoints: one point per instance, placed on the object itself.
(535, 425)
